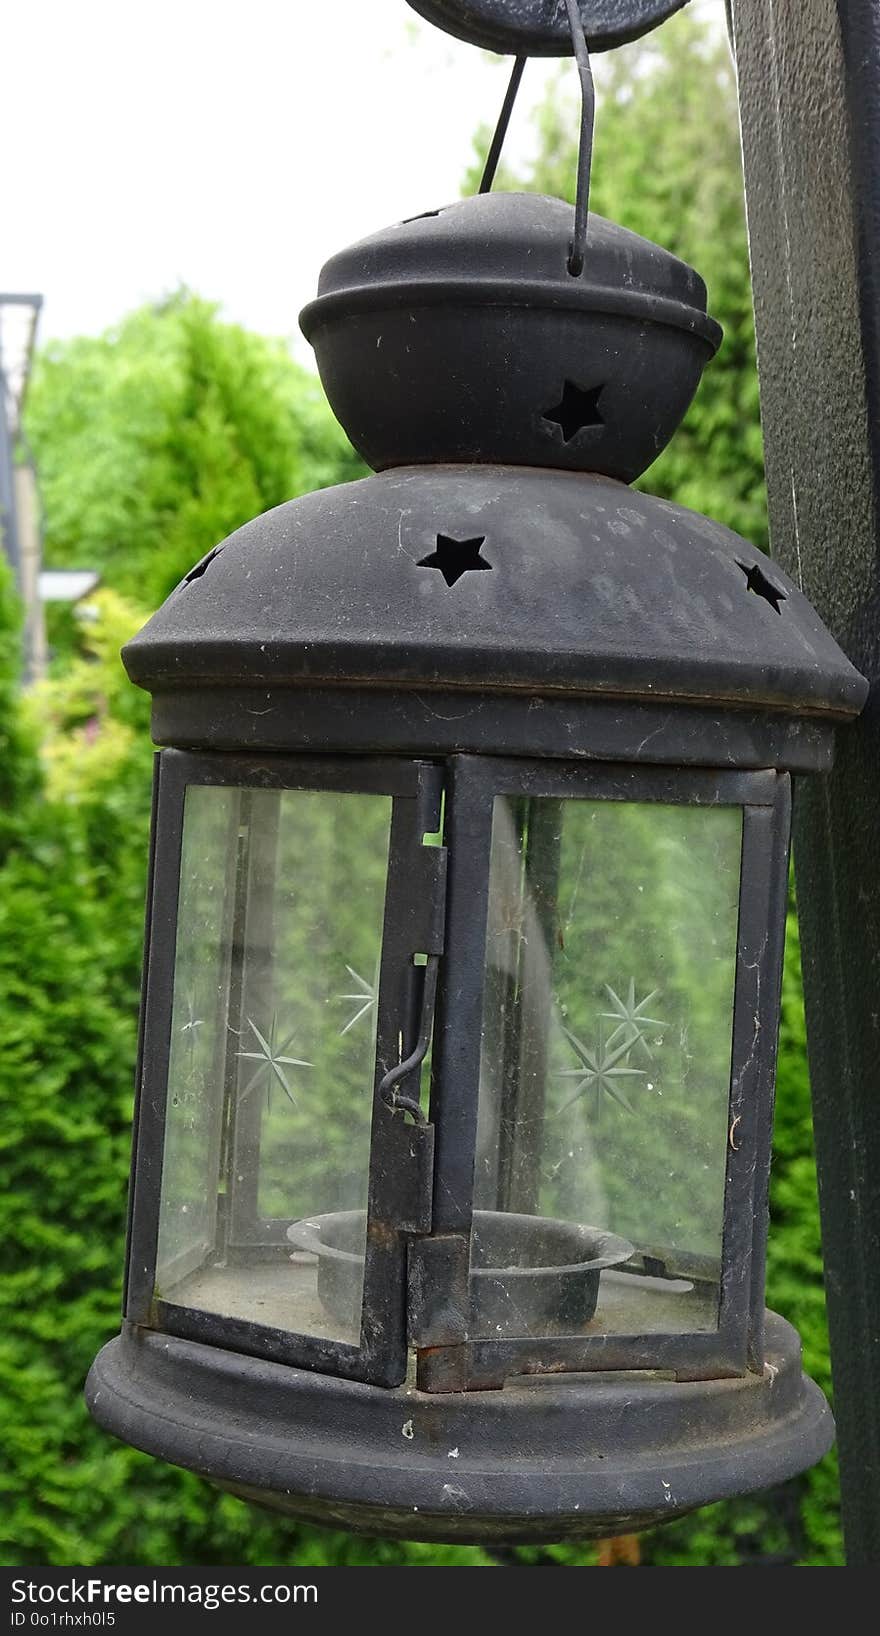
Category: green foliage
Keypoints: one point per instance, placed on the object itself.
(156, 440)
(19, 771)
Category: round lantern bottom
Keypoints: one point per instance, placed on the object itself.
(546, 1458)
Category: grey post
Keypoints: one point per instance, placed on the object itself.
(809, 80)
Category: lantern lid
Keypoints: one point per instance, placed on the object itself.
(462, 336)
(498, 581)
(516, 240)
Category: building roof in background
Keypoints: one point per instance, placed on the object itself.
(67, 584)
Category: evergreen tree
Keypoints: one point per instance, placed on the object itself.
(156, 440)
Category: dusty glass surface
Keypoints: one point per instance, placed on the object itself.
(194, 1107)
(605, 1076)
(272, 1053)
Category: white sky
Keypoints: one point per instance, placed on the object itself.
(231, 145)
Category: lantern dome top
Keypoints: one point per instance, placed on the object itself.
(496, 581)
(522, 239)
(461, 335)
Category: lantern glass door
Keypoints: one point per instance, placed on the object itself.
(606, 1064)
(273, 1041)
(280, 1004)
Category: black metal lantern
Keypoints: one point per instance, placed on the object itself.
(469, 882)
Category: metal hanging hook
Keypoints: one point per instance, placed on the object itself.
(497, 144)
(577, 256)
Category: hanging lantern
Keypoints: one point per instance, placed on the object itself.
(469, 881)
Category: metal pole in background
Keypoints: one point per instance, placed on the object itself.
(8, 517)
(809, 87)
(19, 525)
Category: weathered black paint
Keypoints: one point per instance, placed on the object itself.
(809, 77)
(597, 593)
(544, 1459)
(456, 337)
(539, 28)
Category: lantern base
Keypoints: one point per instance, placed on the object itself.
(546, 1458)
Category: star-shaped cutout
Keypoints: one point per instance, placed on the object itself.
(456, 557)
(272, 1061)
(757, 581)
(577, 409)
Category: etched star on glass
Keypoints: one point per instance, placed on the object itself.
(364, 997)
(629, 1014)
(272, 1061)
(599, 1070)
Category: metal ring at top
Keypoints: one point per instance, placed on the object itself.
(540, 28)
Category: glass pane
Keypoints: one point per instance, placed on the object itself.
(194, 1116)
(281, 909)
(605, 1078)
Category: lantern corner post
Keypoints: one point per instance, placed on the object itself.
(809, 75)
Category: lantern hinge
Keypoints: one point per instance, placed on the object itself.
(426, 899)
(408, 1152)
(438, 1290)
